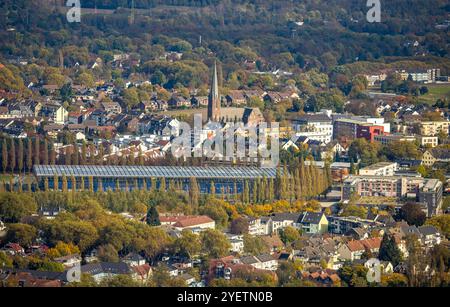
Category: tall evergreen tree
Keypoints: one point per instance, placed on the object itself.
(153, 216)
(389, 250)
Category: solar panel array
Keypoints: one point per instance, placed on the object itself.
(153, 171)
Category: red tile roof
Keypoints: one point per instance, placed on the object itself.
(193, 221)
(373, 243)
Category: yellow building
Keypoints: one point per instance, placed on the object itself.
(433, 128)
(435, 155)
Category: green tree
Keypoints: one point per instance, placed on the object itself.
(389, 250)
(188, 244)
(442, 223)
(23, 234)
(214, 243)
(153, 216)
(254, 245)
(289, 235)
(13, 207)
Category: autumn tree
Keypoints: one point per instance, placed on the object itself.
(214, 243)
(188, 244)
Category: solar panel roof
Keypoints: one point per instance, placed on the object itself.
(153, 171)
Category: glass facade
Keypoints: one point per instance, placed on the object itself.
(87, 177)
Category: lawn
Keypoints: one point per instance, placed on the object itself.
(436, 91)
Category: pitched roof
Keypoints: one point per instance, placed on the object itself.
(372, 243)
(441, 153)
(193, 220)
(106, 267)
(312, 217)
(428, 230)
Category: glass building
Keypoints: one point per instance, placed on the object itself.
(111, 177)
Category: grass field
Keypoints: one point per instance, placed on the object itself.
(436, 91)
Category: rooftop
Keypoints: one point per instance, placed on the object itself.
(153, 171)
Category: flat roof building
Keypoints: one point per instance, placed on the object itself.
(113, 177)
(379, 169)
(424, 190)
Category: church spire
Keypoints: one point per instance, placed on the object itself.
(214, 97)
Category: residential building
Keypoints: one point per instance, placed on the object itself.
(424, 190)
(342, 225)
(317, 127)
(262, 262)
(55, 112)
(111, 107)
(181, 222)
(69, 261)
(433, 128)
(354, 250)
(425, 141)
(379, 169)
(430, 157)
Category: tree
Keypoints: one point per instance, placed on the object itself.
(394, 280)
(194, 192)
(37, 151)
(188, 244)
(389, 250)
(45, 158)
(20, 156)
(153, 216)
(108, 253)
(412, 213)
(22, 234)
(29, 155)
(254, 245)
(215, 210)
(289, 235)
(353, 276)
(12, 156)
(120, 281)
(214, 243)
(13, 207)
(62, 249)
(4, 156)
(441, 222)
(239, 226)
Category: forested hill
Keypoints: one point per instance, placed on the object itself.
(284, 33)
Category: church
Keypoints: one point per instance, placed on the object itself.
(215, 112)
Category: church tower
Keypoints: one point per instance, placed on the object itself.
(214, 98)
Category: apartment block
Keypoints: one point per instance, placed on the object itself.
(426, 191)
(379, 169)
(433, 128)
